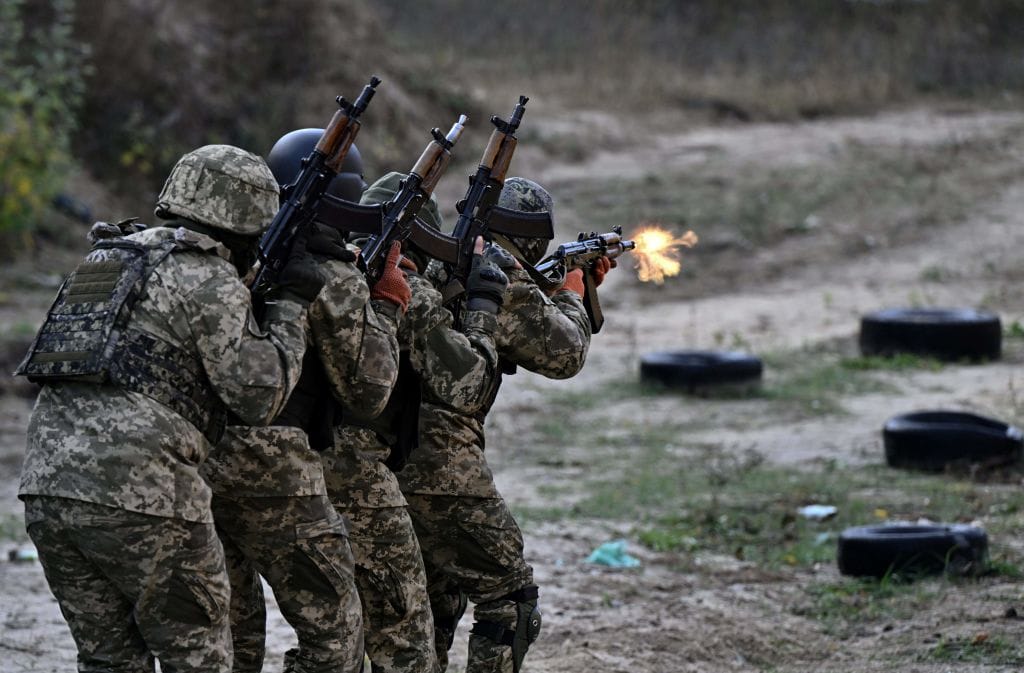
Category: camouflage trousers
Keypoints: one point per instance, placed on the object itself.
(398, 625)
(299, 545)
(134, 587)
(472, 549)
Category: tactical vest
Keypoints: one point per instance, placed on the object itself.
(86, 337)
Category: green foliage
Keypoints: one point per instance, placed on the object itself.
(42, 79)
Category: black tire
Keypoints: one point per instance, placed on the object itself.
(950, 334)
(877, 551)
(931, 440)
(699, 369)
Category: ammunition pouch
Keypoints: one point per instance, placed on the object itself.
(144, 364)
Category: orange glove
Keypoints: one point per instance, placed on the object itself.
(393, 286)
(601, 266)
(574, 282)
(407, 264)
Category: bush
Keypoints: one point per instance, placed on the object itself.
(41, 86)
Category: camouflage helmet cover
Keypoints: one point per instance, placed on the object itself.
(528, 197)
(222, 187)
(385, 188)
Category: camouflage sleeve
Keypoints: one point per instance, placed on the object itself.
(548, 336)
(355, 339)
(253, 370)
(457, 368)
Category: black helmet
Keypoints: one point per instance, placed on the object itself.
(285, 160)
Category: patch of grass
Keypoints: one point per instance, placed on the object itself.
(836, 605)
(531, 514)
(812, 380)
(979, 649)
(898, 363)
(1013, 330)
(12, 527)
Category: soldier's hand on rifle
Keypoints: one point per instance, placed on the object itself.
(502, 257)
(301, 278)
(393, 286)
(327, 242)
(601, 267)
(486, 284)
(574, 282)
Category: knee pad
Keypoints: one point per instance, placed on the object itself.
(447, 615)
(527, 626)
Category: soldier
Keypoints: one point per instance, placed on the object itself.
(148, 345)
(472, 546)
(455, 367)
(270, 500)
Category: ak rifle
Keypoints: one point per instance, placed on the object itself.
(581, 254)
(479, 214)
(304, 201)
(400, 213)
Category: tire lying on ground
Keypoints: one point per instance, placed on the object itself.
(949, 334)
(876, 551)
(690, 370)
(931, 440)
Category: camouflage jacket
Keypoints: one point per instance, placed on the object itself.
(106, 445)
(354, 339)
(456, 367)
(548, 336)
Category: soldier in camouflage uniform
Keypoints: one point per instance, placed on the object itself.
(148, 345)
(454, 366)
(472, 546)
(270, 498)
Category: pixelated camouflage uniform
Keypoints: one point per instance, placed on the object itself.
(113, 496)
(389, 566)
(271, 504)
(472, 546)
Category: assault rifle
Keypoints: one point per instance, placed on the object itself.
(581, 254)
(400, 213)
(304, 201)
(479, 214)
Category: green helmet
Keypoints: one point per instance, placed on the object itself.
(222, 187)
(385, 188)
(528, 197)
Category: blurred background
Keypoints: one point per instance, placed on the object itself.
(98, 99)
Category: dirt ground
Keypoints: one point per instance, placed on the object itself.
(710, 613)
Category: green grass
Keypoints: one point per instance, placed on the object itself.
(979, 649)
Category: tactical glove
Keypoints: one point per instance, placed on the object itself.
(393, 286)
(486, 285)
(327, 242)
(301, 278)
(502, 257)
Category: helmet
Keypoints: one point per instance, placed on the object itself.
(528, 197)
(223, 187)
(285, 160)
(385, 188)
